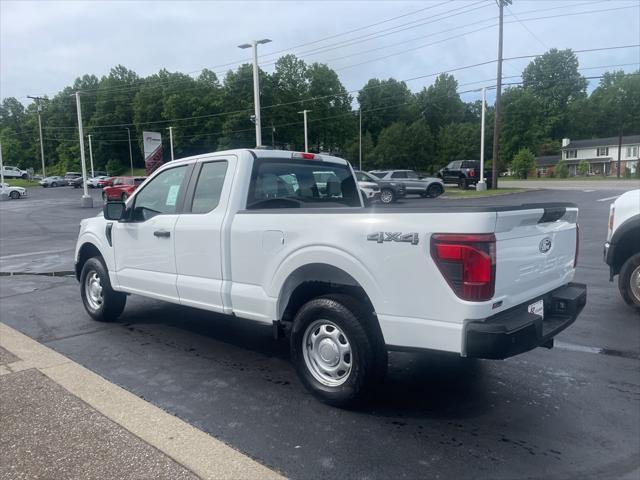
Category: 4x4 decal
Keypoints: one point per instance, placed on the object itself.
(379, 237)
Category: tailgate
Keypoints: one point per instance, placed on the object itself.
(535, 250)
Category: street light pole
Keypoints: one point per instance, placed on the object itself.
(256, 84)
(482, 184)
(306, 143)
(91, 155)
(5, 194)
(360, 138)
(130, 154)
(37, 100)
(171, 141)
(86, 201)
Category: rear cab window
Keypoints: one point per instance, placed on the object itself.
(290, 183)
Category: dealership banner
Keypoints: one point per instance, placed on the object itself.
(152, 150)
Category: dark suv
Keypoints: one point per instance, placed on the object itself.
(464, 173)
(390, 191)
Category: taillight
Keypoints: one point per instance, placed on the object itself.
(306, 156)
(472, 172)
(467, 262)
(575, 260)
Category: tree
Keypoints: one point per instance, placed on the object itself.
(384, 102)
(523, 163)
(440, 104)
(458, 141)
(562, 170)
(583, 168)
(554, 80)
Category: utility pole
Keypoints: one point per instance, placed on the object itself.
(91, 156)
(5, 194)
(360, 138)
(130, 154)
(306, 144)
(37, 100)
(273, 135)
(256, 84)
(87, 200)
(482, 184)
(496, 123)
(171, 141)
(620, 150)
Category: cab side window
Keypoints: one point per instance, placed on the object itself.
(160, 195)
(209, 187)
(399, 175)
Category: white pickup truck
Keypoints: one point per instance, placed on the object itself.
(283, 238)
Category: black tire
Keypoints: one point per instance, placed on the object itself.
(628, 275)
(462, 183)
(24, 176)
(435, 190)
(54, 184)
(112, 303)
(15, 195)
(387, 196)
(367, 355)
(124, 196)
(104, 197)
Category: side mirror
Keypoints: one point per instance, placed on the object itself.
(114, 210)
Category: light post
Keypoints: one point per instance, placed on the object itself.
(306, 143)
(87, 200)
(482, 185)
(256, 84)
(360, 138)
(130, 154)
(171, 141)
(5, 194)
(91, 156)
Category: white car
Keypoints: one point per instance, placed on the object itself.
(14, 172)
(622, 248)
(93, 181)
(282, 238)
(12, 192)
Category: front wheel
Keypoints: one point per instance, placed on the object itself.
(15, 195)
(336, 350)
(54, 184)
(100, 301)
(629, 281)
(24, 176)
(435, 190)
(124, 197)
(387, 195)
(104, 197)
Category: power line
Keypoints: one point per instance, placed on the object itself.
(527, 29)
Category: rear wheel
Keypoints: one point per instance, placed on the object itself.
(15, 195)
(387, 195)
(435, 190)
(54, 184)
(337, 351)
(25, 176)
(124, 197)
(104, 197)
(629, 280)
(100, 301)
(462, 183)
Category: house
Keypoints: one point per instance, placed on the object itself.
(545, 165)
(602, 154)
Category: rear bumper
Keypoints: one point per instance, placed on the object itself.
(516, 330)
(608, 254)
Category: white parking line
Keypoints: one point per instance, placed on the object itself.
(44, 252)
(608, 198)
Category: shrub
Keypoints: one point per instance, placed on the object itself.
(114, 167)
(583, 168)
(562, 170)
(523, 163)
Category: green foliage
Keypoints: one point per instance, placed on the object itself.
(384, 102)
(458, 141)
(583, 168)
(440, 104)
(523, 163)
(114, 167)
(562, 170)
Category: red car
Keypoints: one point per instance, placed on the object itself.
(122, 188)
(106, 182)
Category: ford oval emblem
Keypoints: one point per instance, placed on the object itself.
(545, 245)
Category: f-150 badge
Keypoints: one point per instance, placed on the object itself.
(412, 238)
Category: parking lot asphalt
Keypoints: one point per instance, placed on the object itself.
(569, 412)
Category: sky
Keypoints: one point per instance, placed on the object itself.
(45, 45)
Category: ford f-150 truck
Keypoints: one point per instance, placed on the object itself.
(283, 239)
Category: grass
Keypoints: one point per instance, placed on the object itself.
(455, 192)
(594, 178)
(19, 182)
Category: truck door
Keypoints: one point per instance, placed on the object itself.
(199, 234)
(144, 245)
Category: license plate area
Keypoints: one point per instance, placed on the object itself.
(537, 308)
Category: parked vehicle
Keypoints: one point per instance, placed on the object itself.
(622, 248)
(249, 233)
(122, 188)
(71, 176)
(368, 186)
(464, 173)
(14, 172)
(106, 182)
(13, 192)
(94, 182)
(53, 181)
(389, 191)
(425, 187)
(75, 183)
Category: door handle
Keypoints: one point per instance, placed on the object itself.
(162, 234)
